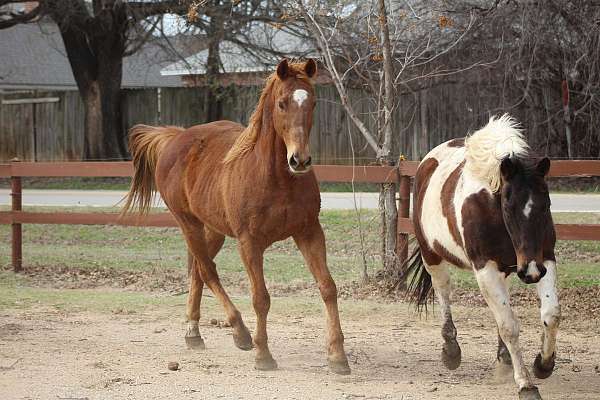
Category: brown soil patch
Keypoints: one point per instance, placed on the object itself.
(50, 354)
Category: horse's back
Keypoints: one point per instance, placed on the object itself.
(209, 141)
(202, 147)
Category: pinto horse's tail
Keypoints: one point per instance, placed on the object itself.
(419, 288)
(145, 144)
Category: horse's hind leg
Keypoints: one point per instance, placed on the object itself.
(550, 315)
(214, 242)
(440, 278)
(252, 256)
(492, 285)
(195, 236)
(193, 339)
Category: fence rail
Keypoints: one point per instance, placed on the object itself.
(400, 174)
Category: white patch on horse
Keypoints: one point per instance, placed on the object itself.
(466, 186)
(434, 223)
(492, 284)
(192, 329)
(550, 308)
(528, 205)
(299, 96)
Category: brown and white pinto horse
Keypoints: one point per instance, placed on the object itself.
(255, 184)
(482, 203)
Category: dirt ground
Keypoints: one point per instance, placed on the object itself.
(48, 353)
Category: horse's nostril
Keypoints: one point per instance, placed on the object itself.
(308, 162)
(294, 161)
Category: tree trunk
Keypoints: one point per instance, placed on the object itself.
(388, 191)
(104, 133)
(214, 98)
(95, 48)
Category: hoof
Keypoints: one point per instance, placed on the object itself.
(504, 358)
(531, 393)
(451, 355)
(243, 340)
(265, 364)
(195, 343)
(339, 367)
(542, 371)
(503, 373)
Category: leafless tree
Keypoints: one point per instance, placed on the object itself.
(383, 47)
(242, 23)
(549, 69)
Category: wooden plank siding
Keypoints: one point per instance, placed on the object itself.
(56, 129)
(423, 119)
(16, 130)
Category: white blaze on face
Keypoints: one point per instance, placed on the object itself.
(299, 96)
(528, 205)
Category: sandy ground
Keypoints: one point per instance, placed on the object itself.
(51, 354)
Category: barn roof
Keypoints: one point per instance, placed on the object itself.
(269, 45)
(33, 56)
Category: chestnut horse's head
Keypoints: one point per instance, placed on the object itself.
(294, 101)
(526, 212)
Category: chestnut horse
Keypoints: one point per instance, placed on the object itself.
(252, 183)
(482, 204)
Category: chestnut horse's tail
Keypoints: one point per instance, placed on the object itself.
(145, 144)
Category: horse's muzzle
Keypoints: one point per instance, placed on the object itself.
(532, 272)
(298, 165)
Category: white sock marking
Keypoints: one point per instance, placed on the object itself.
(492, 284)
(192, 329)
(299, 96)
(550, 308)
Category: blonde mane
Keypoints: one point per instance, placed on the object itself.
(247, 139)
(501, 137)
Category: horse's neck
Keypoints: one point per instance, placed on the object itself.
(271, 155)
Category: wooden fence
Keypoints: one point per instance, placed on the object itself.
(400, 174)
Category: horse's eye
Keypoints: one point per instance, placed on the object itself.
(281, 105)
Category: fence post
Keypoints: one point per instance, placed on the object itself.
(403, 212)
(17, 234)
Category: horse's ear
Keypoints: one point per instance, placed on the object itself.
(508, 168)
(310, 68)
(543, 166)
(283, 69)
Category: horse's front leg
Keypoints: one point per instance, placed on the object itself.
(492, 285)
(252, 256)
(550, 315)
(311, 243)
